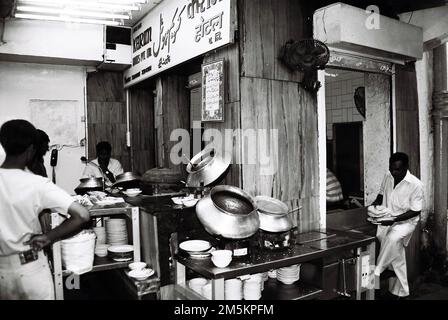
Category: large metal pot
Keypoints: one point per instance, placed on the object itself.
(228, 212)
(273, 214)
(126, 177)
(206, 167)
(89, 184)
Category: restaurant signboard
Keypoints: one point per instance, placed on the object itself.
(176, 31)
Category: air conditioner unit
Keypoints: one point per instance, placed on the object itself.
(117, 49)
(346, 28)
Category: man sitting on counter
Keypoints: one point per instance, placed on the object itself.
(402, 194)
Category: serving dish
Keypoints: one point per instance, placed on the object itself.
(195, 246)
(121, 252)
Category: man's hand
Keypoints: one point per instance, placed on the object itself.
(38, 241)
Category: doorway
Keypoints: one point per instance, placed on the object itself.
(355, 124)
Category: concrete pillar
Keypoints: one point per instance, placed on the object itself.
(440, 118)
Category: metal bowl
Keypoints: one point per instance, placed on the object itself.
(125, 177)
(273, 214)
(206, 167)
(228, 212)
(89, 184)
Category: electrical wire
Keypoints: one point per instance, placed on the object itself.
(59, 147)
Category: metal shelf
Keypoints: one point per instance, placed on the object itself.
(103, 264)
(275, 290)
(100, 263)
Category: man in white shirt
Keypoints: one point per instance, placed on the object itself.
(103, 165)
(24, 269)
(402, 193)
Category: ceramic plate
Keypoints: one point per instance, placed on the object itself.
(195, 245)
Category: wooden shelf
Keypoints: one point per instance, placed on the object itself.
(275, 290)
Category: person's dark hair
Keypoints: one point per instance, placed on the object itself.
(400, 156)
(41, 144)
(103, 145)
(16, 136)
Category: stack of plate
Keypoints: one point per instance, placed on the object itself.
(233, 289)
(116, 232)
(252, 287)
(289, 275)
(100, 235)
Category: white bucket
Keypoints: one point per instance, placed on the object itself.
(78, 252)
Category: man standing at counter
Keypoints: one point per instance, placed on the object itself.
(24, 269)
(402, 194)
(103, 165)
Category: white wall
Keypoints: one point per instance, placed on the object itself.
(434, 22)
(376, 133)
(80, 44)
(21, 82)
(424, 71)
(339, 101)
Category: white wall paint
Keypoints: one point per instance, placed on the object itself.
(20, 82)
(322, 143)
(376, 133)
(434, 21)
(424, 71)
(52, 39)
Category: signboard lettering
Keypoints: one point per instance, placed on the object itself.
(176, 31)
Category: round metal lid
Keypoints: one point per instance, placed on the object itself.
(270, 205)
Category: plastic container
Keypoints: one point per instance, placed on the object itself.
(78, 252)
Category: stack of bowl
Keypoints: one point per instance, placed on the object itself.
(101, 249)
(196, 284)
(100, 235)
(252, 287)
(289, 275)
(233, 289)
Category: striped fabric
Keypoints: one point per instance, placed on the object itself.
(334, 190)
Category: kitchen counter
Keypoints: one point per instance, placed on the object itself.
(261, 260)
(309, 247)
(155, 205)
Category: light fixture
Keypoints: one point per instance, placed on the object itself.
(109, 12)
(93, 5)
(65, 19)
(71, 12)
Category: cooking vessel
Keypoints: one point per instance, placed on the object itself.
(89, 184)
(273, 214)
(125, 178)
(207, 167)
(228, 212)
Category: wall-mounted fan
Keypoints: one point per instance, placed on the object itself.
(306, 55)
(360, 100)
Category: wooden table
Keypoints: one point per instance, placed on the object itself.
(308, 247)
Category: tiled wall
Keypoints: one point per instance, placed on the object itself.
(339, 91)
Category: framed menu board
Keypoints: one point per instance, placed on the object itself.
(213, 91)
